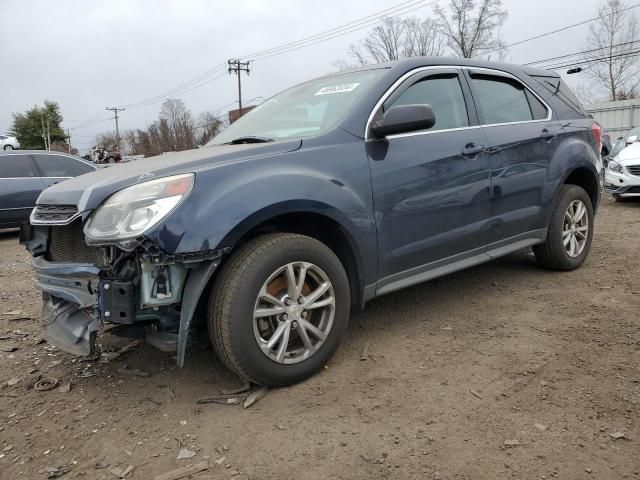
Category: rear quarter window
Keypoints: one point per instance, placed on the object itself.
(560, 90)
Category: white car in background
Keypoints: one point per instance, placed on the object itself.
(622, 177)
(9, 142)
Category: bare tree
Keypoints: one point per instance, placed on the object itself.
(472, 28)
(395, 39)
(611, 39)
(179, 122)
(209, 125)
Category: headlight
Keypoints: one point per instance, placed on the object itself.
(133, 210)
(615, 167)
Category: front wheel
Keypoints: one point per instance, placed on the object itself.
(570, 231)
(8, 147)
(279, 308)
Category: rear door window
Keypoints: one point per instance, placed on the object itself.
(504, 100)
(59, 166)
(16, 166)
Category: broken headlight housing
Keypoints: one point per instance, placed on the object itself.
(129, 213)
(615, 167)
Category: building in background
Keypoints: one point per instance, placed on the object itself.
(617, 117)
(237, 113)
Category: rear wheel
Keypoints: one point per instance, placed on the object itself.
(279, 308)
(570, 231)
(8, 147)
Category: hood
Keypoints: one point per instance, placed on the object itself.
(630, 154)
(89, 190)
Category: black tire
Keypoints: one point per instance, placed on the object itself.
(233, 298)
(552, 253)
(8, 147)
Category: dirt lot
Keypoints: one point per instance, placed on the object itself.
(502, 371)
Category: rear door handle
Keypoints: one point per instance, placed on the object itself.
(547, 134)
(472, 149)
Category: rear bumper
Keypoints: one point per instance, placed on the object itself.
(69, 316)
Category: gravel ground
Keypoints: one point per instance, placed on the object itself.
(501, 371)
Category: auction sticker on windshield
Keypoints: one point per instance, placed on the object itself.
(345, 87)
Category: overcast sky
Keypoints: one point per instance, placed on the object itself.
(88, 55)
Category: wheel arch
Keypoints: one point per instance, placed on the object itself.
(313, 219)
(586, 178)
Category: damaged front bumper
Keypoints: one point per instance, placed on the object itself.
(69, 316)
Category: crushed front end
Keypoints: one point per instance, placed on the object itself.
(128, 283)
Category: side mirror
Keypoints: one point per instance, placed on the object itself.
(632, 139)
(404, 119)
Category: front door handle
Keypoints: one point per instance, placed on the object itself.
(546, 134)
(471, 150)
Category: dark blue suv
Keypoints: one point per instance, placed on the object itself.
(331, 193)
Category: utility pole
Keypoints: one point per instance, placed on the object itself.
(69, 139)
(236, 66)
(48, 135)
(44, 133)
(115, 111)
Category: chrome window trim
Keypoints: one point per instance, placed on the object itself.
(410, 73)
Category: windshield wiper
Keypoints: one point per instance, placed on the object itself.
(251, 139)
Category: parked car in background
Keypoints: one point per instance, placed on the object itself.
(626, 140)
(24, 174)
(331, 193)
(9, 142)
(622, 176)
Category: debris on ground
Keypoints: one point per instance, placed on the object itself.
(8, 348)
(365, 351)
(122, 473)
(617, 435)
(45, 384)
(12, 381)
(475, 394)
(185, 453)
(133, 372)
(511, 443)
(65, 387)
(255, 396)
(224, 399)
(57, 472)
(221, 460)
(540, 426)
(110, 356)
(183, 471)
(235, 391)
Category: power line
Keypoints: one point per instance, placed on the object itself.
(370, 20)
(627, 53)
(582, 52)
(584, 22)
(374, 17)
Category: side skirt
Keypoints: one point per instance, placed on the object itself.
(458, 262)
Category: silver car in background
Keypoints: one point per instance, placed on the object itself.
(9, 142)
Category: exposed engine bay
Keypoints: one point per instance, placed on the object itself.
(138, 292)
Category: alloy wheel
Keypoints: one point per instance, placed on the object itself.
(294, 312)
(575, 228)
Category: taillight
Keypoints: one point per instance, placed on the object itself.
(596, 130)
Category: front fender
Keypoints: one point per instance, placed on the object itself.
(226, 203)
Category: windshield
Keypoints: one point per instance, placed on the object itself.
(305, 110)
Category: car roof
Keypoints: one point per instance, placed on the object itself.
(416, 62)
(29, 152)
(47, 152)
